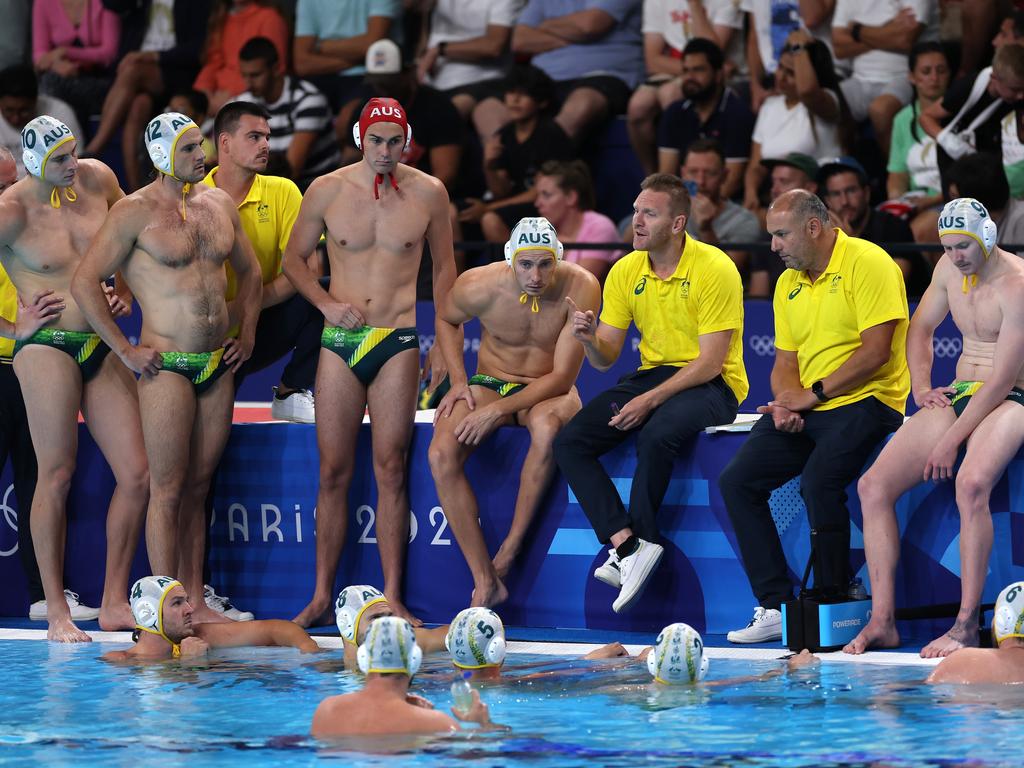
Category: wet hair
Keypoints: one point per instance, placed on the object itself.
(259, 49)
(572, 176)
(19, 81)
(679, 198)
(705, 146)
(708, 49)
(230, 116)
(981, 175)
(534, 82)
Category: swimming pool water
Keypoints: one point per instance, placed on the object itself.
(61, 705)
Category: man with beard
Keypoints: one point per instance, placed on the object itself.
(708, 111)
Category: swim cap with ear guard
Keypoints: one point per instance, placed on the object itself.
(533, 233)
(678, 656)
(381, 110)
(1008, 617)
(146, 600)
(966, 216)
(162, 136)
(476, 639)
(390, 648)
(349, 607)
(39, 138)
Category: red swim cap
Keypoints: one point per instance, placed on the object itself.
(379, 110)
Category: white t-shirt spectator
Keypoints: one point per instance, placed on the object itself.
(773, 21)
(456, 20)
(10, 136)
(877, 66)
(671, 19)
(780, 130)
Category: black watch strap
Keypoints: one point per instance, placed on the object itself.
(818, 388)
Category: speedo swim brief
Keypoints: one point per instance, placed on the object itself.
(201, 368)
(965, 390)
(365, 350)
(85, 347)
(503, 388)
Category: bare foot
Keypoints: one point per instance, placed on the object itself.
(319, 613)
(961, 635)
(203, 614)
(116, 617)
(490, 597)
(398, 609)
(875, 635)
(63, 630)
(504, 559)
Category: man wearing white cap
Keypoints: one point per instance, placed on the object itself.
(376, 215)
(1002, 664)
(983, 287)
(527, 370)
(47, 220)
(171, 240)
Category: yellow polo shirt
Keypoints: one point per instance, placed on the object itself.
(703, 295)
(822, 321)
(268, 213)
(9, 311)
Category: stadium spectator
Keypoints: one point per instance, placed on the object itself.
(590, 48)
(20, 101)
(1011, 32)
(709, 111)
(980, 176)
(668, 27)
(332, 40)
(232, 24)
(467, 55)
(301, 128)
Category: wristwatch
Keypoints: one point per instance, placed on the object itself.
(442, 48)
(855, 30)
(818, 388)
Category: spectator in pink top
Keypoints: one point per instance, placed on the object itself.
(74, 44)
(565, 197)
(233, 23)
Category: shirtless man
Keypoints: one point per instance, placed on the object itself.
(983, 287)
(171, 240)
(376, 215)
(528, 364)
(389, 657)
(47, 221)
(163, 615)
(1002, 664)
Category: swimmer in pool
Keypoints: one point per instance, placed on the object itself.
(983, 287)
(47, 220)
(1002, 664)
(171, 240)
(389, 657)
(529, 361)
(375, 215)
(164, 620)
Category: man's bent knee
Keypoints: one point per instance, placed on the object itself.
(444, 457)
(972, 492)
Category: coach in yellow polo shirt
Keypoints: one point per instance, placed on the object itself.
(267, 207)
(840, 384)
(686, 300)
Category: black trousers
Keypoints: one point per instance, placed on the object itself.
(588, 436)
(16, 445)
(830, 453)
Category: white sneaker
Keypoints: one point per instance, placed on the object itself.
(634, 571)
(296, 406)
(79, 612)
(609, 572)
(765, 627)
(223, 606)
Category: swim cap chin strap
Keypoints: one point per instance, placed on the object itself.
(535, 307)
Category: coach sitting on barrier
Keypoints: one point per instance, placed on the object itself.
(686, 300)
(840, 383)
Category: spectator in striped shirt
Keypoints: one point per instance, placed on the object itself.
(300, 119)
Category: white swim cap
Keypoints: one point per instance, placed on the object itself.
(147, 603)
(533, 233)
(349, 607)
(966, 216)
(678, 656)
(162, 136)
(39, 138)
(390, 648)
(476, 639)
(1008, 618)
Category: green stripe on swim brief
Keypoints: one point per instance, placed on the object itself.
(503, 388)
(197, 366)
(353, 344)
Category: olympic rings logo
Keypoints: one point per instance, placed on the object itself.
(762, 346)
(947, 346)
(11, 518)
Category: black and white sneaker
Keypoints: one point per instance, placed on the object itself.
(635, 571)
(223, 606)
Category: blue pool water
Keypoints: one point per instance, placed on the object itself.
(60, 704)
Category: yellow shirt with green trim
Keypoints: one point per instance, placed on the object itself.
(822, 321)
(9, 311)
(703, 295)
(267, 213)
